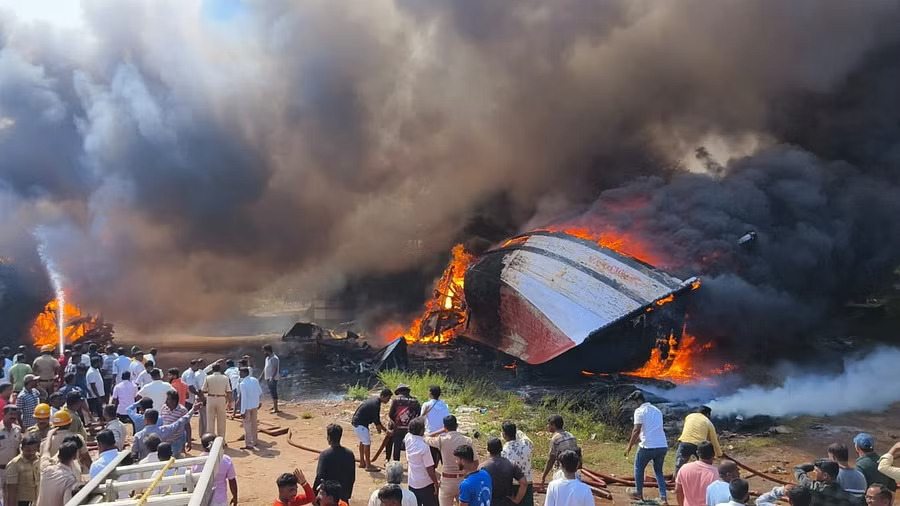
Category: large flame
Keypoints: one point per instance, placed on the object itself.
(45, 330)
(447, 297)
(681, 363)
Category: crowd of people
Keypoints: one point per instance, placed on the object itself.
(52, 406)
(49, 404)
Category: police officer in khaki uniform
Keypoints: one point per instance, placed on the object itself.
(10, 435)
(217, 389)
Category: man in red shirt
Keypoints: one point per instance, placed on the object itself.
(693, 478)
(287, 490)
(178, 385)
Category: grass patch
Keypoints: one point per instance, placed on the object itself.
(357, 393)
(487, 407)
(306, 416)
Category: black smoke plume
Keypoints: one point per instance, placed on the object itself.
(176, 164)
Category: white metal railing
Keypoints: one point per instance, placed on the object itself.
(187, 489)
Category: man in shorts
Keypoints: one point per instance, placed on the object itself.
(368, 413)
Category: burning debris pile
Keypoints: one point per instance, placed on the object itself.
(76, 325)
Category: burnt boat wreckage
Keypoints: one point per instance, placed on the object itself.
(544, 302)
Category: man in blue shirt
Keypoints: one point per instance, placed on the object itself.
(106, 446)
(475, 489)
(136, 413)
(151, 417)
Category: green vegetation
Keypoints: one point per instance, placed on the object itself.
(357, 393)
(306, 416)
(481, 404)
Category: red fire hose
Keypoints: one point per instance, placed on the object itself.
(755, 472)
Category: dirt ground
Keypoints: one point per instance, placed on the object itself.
(776, 455)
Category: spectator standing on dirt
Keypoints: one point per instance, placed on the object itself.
(122, 364)
(225, 478)
(393, 473)
(503, 474)
(193, 377)
(170, 412)
(697, 428)
(423, 481)
(156, 389)
(251, 400)
(288, 493)
(718, 492)
(569, 490)
(272, 373)
(123, 395)
(404, 408)
(369, 413)
(867, 463)
(695, 477)
(886, 463)
(434, 410)
(851, 480)
(447, 441)
(336, 463)
(27, 400)
(561, 441)
(648, 427)
(518, 448)
(95, 391)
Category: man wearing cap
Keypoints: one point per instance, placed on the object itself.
(825, 488)
(46, 368)
(42, 421)
(10, 435)
(404, 408)
(28, 400)
(867, 463)
(217, 390)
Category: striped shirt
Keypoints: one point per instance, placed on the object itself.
(170, 416)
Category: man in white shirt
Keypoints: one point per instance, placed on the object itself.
(568, 490)
(648, 426)
(423, 481)
(137, 365)
(740, 493)
(251, 395)
(393, 472)
(193, 378)
(272, 373)
(143, 378)
(121, 364)
(156, 390)
(718, 492)
(234, 376)
(113, 424)
(95, 392)
(123, 395)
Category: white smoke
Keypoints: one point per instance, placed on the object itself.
(867, 383)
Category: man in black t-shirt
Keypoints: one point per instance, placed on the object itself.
(404, 409)
(503, 472)
(369, 412)
(336, 463)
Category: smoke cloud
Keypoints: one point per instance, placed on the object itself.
(178, 163)
(861, 387)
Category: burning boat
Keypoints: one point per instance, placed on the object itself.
(562, 300)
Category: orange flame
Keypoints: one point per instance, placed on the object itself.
(447, 297)
(610, 238)
(680, 365)
(45, 329)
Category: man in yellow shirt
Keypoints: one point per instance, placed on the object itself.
(697, 428)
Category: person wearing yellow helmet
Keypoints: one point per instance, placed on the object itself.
(42, 421)
(62, 429)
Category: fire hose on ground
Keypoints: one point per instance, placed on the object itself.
(755, 472)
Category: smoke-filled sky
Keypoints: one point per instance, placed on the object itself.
(178, 156)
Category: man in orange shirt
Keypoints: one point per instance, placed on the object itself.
(178, 385)
(287, 490)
